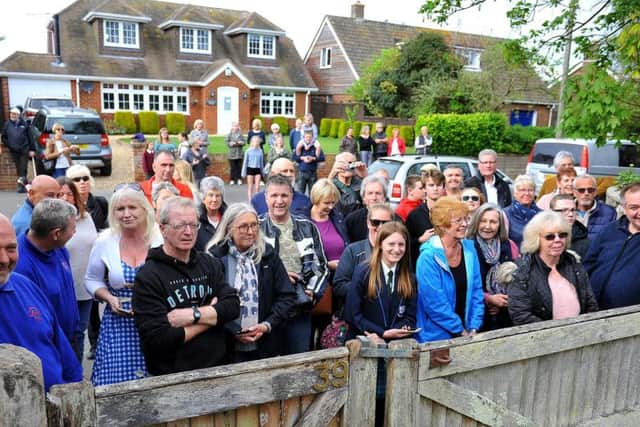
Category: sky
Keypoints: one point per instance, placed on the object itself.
(24, 28)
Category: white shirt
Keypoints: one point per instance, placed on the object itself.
(492, 191)
(395, 148)
(385, 272)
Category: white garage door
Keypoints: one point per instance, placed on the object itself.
(20, 89)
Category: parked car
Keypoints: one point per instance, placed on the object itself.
(606, 161)
(399, 168)
(35, 103)
(83, 128)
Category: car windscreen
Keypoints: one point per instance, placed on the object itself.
(544, 153)
(391, 166)
(80, 126)
(39, 103)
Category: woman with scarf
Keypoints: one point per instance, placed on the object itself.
(489, 233)
(254, 268)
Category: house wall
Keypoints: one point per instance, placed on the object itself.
(330, 81)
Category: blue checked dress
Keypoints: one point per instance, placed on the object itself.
(118, 356)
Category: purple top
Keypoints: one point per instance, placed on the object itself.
(331, 240)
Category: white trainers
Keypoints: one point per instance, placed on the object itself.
(239, 182)
(231, 182)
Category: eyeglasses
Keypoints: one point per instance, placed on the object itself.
(549, 237)
(460, 221)
(132, 185)
(565, 210)
(60, 130)
(245, 228)
(589, 190)
(181, 226)
(472, 198)
(81, 178)
(378, 222)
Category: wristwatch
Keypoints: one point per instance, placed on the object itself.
(196, 314)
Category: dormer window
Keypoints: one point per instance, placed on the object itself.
(193, 40)
(121, 34)
(261, 46)
(325, 57)
(470, 57)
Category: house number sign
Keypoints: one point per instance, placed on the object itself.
(334, 373)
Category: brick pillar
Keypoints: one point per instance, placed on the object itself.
(138, 150)
(219, 166)
(8, 177)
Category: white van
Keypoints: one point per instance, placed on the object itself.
(608, 160)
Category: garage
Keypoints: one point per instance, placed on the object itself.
(21, 88)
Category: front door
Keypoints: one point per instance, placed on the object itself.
(227, 108)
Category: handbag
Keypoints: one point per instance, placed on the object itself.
(324, 306)
(335, 334)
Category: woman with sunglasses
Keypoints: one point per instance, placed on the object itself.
(488, 231)
(550, 282)
(59, 150)
(450, 297)
(116, 257)
(256, 271)
(473, 197)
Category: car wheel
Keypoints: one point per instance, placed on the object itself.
(106, 170)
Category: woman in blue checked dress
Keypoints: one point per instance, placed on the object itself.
(115, 258)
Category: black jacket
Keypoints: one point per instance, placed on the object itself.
(580, 239)
(15, 135)
(504, 192)
(349, 195)
(530, 297)
(207, 230)
(276, 296)
(98, 208)
(163, 284)
(418, 222)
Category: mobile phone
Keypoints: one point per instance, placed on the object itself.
(241, 331)
(124, 311)
(414, 331)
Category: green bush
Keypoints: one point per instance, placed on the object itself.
(112, 128)
(325, 127)
(149, 122)
(357, 127)
(342, 130)
(125, 120)
(283, 122)
(519, 139)
(335, 127)
(407, 133)
(464, 134)
(175, 123)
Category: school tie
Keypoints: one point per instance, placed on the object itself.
(390, 281)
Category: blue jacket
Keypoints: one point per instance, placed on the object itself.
(300, 205)
(613, 264)
(518, 217)
(601, 216)
(353, 255)
(295, 136)
(386, 311)
(437, 292)
(15, 135)
(28, 320)
(21, 220)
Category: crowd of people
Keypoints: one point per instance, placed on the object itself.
(187, 280)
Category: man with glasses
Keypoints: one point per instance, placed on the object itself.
(565, 205)
(592, 214)
(181, 298)
(613, 258)
(15, 136)
(164, 164)
(42, 187)
(495, 190)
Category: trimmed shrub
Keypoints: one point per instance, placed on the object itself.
(519, 139)
(342, 130)
(464, 134)
(175, 122)
(335, 127)
(407, 133)
(325, 127)
(125, 120)
(357, 127)
(149, 122)
(112, 128)
(283, 122)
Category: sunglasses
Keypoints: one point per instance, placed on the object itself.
(472, 198)
(549, 237)
(589, 190)
(378, 222)
(80, 178)
(132, 185)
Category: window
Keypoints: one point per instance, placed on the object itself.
(470, 57)
(138, 97)
(261, 46)
(121, 34)
(277, 104)
(195, 41)
(325, 57)
(629, 156)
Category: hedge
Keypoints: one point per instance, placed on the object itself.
(335, 127)
(519, 139)
(357, 127)
(175, 123)
(125, 120)
(342, 130)
(325, 127)
(464, 134)
(149, 122)
(407, 133)
(283, 122)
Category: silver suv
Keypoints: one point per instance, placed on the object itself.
(34, 103)
(399, 168)
(83, 128)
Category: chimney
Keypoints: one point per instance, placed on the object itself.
(357, 10)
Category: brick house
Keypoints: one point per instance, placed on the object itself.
(343, 47)
(216, 64)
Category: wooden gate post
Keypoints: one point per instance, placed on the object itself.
(360, 407)
(71, 405)
(22, 401)
(402, 384)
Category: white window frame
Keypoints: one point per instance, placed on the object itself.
(325, 57)
(471, 57)
(112, 93)
(273, 99)
(196, 34)
(261, 46)
(120, 26)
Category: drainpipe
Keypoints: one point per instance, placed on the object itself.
(78, 91)
(553, 107)
(306, 102)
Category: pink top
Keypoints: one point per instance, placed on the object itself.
(564, 297)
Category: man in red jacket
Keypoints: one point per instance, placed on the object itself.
(163, 167)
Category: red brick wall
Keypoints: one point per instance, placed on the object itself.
(8, 175)
(4, 86)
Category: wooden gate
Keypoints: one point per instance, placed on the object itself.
(583, 371)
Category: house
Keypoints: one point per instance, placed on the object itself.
(136, 55)
(343, 47)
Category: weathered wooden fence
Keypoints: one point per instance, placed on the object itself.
(575, 372)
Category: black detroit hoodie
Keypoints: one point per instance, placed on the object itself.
(165, 283)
